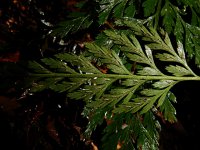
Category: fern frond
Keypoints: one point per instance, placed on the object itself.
(119, 91)
(191, 37)
(180, 19)
(149, 10)
(155, 42)
(76, 23)
(132, 132)
(86, 81)
(116, 9)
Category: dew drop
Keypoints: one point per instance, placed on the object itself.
(59, 106)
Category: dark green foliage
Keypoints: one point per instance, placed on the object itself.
(77, 22)
(172, 16)
(132, 132)
(124, 73)
(149, 7)
(118, 9)
(120, 92)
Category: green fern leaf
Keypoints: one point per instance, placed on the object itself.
(195, 16)
(44, 84)
(192, 43)
(168, 16)
(85, 81)
(119, 9)
(108, 57)
(168, 109)
(178, 70)
(149, 7)
(128, 130)
(57, 66)
(149, 71)
(191, 35)
(36, 67)
(166, 57)
(131, 82)
(95, 118)
(163, 84)
(78, 22)
(119, 91)
(179, 29)
(83, 64)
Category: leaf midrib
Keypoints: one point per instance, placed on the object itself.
(119, 76)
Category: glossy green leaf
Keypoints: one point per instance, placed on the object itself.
(118, 75)
(166, 57)
(149, 7)
(169, 17)
(148, 71)
(180, 50)
(163, 83)
(118, 9)
(72, 25)
(168, 109)
(36, 67)
(58, 66)
(178, 70)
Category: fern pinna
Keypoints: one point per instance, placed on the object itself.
(132, 92)
(126, 74)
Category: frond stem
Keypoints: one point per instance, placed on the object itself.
(117, 76)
